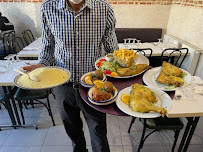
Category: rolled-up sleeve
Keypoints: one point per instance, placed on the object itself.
(110, 41)
(48, 42)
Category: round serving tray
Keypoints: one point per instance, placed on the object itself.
(54, 67)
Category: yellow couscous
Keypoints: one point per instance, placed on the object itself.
(48, 77)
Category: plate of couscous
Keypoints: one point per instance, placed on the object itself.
(49, 77)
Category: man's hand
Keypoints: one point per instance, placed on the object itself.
(31, 67)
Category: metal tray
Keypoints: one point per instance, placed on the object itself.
(54, 67)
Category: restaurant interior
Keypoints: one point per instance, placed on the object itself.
(151, 32)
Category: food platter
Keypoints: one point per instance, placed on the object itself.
(141, 60)
(106, 102)
(65, 80)
(164, 101)
(151, 75)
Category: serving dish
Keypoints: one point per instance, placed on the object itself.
(105, 102)
(66, 80)
(90, 85)
(164, 101)
(149, 78)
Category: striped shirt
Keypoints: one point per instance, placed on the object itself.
(75, 41)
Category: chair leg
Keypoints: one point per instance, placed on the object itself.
(142, 137)
(131, 123)
(175, 140)
(49, 110)
(21, 111)
(25, 104)
(31, 102)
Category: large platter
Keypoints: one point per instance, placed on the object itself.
(151, 75)
(141, 60)
(164, 101)
(54, 67)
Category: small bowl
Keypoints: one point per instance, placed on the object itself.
(90, 85)
(105, 102)
(109, 57)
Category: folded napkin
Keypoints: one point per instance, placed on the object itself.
(191, 101)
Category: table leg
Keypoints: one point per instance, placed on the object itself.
(9, 107)
(188, 133)
(14, 105)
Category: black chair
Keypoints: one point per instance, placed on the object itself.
(33, 97)
(6, 37)
(2, 101)
(28, 36)
(177, 60)
(165, 123)
(15, 45)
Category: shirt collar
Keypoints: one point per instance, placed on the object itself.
(63, 4)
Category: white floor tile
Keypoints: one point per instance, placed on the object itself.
(146, 148)
(191, 148)
(57, 136)
(3, 136)
(20, 149)
(40, 122)
(117, 148)
(57, 149)
(167, 137)
(4, 113)
(113, 131)
(26, 137)
(38, 111)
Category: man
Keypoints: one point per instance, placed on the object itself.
(5, 25)
(73, 33)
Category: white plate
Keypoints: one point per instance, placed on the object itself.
(151, 75)
(141, 60)
(164, 101)
(106, 102)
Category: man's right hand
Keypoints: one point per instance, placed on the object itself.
(31, 67)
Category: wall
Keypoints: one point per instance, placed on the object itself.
(187, 23)
(24, 14)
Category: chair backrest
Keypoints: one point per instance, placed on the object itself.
(6, 37)
(15, 45)
(143, 50)
(28, 36)
(174, 55)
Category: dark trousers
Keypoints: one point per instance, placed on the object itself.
(70, 104)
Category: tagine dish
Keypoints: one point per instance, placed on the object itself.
(123, 63)
(103, 93)
(143, 102)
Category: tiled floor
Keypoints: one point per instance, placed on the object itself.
(54, 139)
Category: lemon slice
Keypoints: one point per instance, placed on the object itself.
(98, 83)
(125, 98)
(88, 80)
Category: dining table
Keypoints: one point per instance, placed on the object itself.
(7, 76)
(34, 48)
(187, 110)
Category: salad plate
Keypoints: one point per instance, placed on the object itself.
(103, 64)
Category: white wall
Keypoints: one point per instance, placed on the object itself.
(23, 15)
(26, 16)
(186, 23)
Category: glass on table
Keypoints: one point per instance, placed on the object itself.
(138, 42)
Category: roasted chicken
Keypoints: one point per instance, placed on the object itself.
(142, 99)
(170, 74)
